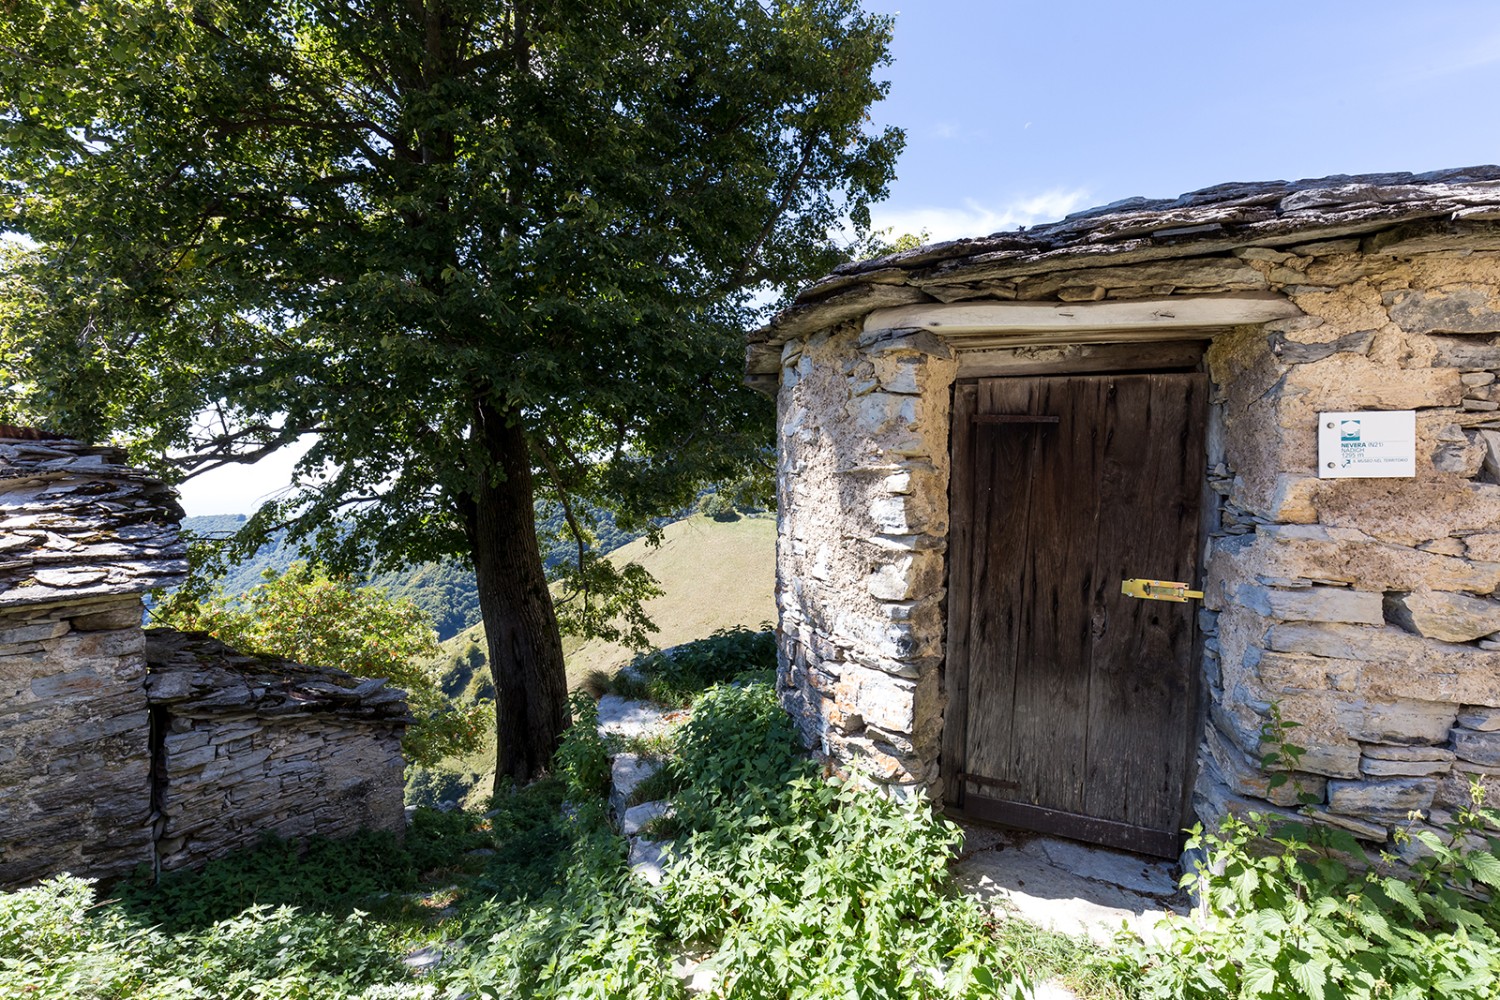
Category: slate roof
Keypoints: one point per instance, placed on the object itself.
(1214, 220)
(78, 522)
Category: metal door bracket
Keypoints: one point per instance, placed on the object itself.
(1159, 590)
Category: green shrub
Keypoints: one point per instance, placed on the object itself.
(582, 760)
(677, 677)
(794, 887)
(56, 942)
(1313, 916)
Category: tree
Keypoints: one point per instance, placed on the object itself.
(308, 617)
(486, 251)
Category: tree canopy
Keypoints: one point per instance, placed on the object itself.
(485, 251)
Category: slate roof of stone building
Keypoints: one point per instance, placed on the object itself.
(197, 674)
(1214, 220)
(77, 522)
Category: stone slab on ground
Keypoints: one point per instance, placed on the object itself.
(626, 717)
(648, 858)
(627, 770)
(1066, 886)
(637, 817)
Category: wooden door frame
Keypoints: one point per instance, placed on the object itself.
(1167, 357)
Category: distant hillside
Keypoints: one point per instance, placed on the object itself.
(716, 574)
(444, 590)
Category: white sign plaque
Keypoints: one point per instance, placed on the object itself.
(1367, 444)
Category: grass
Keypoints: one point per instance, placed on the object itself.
(715, 575)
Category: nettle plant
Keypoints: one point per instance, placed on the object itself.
(1292, 909)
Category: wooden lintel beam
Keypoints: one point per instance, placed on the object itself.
(969, 319)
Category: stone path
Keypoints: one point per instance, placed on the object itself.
(1067, 886)
(624, 717)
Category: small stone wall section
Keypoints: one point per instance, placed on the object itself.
(82, 536)
(254, 745)
(863, 474)
(117, 752)
(75, 765)
(1364, 609)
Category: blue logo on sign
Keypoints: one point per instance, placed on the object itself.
(1349, 430)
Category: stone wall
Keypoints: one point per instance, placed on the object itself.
(82, 536)
(863, 511)
(75, 765)
(1366, 610)
(118, 751)
(1361, 607)
(252, 745)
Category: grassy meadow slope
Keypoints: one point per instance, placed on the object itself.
(715, 574)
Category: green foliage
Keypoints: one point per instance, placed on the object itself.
(318, 874)
(56, 942)
(306, 616)
(480, 253)
(1292, 911)
(582, 761)
(718, 506)
(794, 888)
(444, 590)
(676, 676)
(604, 601)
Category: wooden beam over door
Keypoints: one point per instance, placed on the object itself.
(962, 320)
(1058, 359)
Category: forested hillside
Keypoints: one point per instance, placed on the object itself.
(444, 590)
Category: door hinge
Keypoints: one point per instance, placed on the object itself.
(1159, 590)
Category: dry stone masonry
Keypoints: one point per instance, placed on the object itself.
(251, 745)
(118, 749)
(1365, 610)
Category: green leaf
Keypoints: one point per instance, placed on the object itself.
(1401, 893)
(1311, 974)
(1484, 866)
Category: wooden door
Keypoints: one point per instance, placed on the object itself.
(1073, 708)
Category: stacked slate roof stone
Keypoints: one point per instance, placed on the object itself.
(77, 522)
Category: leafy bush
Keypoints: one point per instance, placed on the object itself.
(55, 942)
(793, 887)
(677, 676)
(1314, 916)
(582, 761)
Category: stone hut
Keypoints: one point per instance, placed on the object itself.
(1009, 466)
(121, 747)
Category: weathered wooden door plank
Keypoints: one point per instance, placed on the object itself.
(954, 759)
(1141, 691)
(1001, 510)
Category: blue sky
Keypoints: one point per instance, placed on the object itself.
(1018, 113)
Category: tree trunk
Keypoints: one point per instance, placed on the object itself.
(526, 659)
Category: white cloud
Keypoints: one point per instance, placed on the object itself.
(943, 222)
